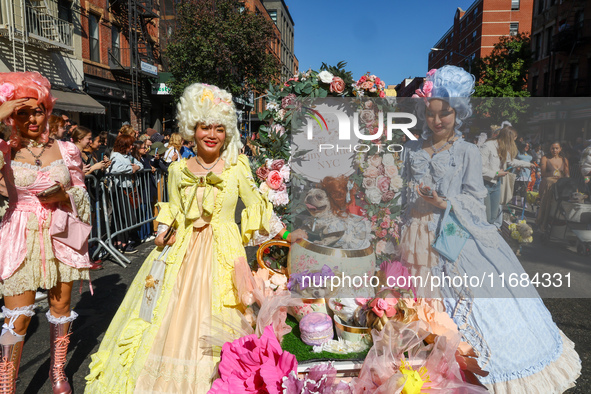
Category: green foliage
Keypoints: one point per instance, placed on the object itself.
(217, 43)
(504, 73)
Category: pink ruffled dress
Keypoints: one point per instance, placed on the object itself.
(29, 257)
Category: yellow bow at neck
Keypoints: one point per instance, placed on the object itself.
(209, 181)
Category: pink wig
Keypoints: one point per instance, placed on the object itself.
(26, 85)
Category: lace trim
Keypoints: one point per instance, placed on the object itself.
(80, 197)
(1, 160)
(13, 314)
(275, 228)
(37, 168)
(470, 213)
(553, 378)
(62, 319)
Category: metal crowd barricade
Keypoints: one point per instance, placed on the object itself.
(124, 202)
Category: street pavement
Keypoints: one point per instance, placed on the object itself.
(573, 315)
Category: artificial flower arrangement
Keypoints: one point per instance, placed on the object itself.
(416, 348)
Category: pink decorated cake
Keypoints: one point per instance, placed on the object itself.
(316, 328)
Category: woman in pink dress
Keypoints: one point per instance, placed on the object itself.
(30, 258)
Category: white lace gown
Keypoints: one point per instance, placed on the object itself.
(510, 328)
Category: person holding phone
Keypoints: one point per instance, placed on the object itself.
(205, 244)
(517, 344)
(43, 176)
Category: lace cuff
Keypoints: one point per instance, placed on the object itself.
(162, 228)
(62, 319)
(275, 228)
(79, 196)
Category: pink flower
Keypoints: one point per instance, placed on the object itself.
(321, 379)
(387, 196)
(385, 224)
(274, 180)
(278, 129)
(378, 81)
(371, 172)
(253, 365)
(6, 91)
(337, 85)
(288, 101)
(375, 160)
(277, 164)
(391, 171)
(382, 94)
(383, 183)
(427, 87)
(394, 269)
(367, 116)
(367, 85)
(431, 72)
(263, 172)
(369, 182)
(384, 305)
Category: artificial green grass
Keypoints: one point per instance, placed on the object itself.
(305, 353)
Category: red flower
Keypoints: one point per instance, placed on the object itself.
(274, 180)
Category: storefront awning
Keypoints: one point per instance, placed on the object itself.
(76, 102)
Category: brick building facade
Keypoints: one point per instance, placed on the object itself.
(476, 30)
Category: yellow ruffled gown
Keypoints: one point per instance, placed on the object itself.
(166, 356)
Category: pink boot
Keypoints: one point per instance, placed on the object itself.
(9, 363)
(59, 331)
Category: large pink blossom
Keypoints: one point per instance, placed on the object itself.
(274, 180)
(253, 365)
(277, 164)
(6, 92)
(263, 172)
(337, 85)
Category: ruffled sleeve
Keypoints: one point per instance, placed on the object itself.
(4, 152)
(468, 206)
(169, 210)
(256, 217)
(77, 191)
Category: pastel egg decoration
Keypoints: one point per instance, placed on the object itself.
(353, 334)
(316, 329)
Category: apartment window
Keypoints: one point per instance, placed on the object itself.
(513, 28)
(534, 85)
(115, 43)
(475, 12)
(93, 37)
(540, 6)
(538, 46)
(461, 45)
(474, 35)
(466, 42)
(64, 10)
(514, 4)
(546, 84)
(548, 41)
(273, 15)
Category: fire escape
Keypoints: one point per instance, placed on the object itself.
(138, 60)
(33, 25)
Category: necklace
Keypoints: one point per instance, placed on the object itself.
(38, 162)
(436, 151)
(207, 168)
(25, 142)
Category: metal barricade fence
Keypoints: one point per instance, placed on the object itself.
(123, 203)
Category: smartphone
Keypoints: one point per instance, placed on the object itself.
(102, 155)
(49, 191)
(426, 190)
(156, 152)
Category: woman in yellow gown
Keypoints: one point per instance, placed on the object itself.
(165, 356)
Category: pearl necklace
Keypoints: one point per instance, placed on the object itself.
(436, 151)
(207, 168)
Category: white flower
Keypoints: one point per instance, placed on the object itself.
(284, 172)
(325, 76)
(264, 188)
(268, 163)
(396, 184)
(272, 106)
(374, 195)
(388, 160)
(278, 198)
(279, 115)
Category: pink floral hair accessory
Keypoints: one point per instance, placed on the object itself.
(384, 305)
(6, 92)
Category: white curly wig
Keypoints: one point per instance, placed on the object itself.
(453, 85)
(208, 104)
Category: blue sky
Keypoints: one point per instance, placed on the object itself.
(390, 38)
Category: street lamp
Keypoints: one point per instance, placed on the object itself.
(468, 58)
